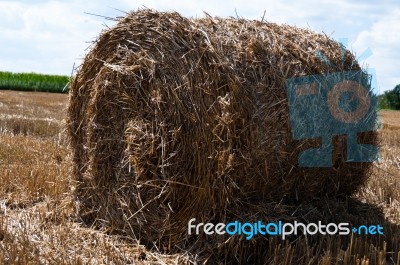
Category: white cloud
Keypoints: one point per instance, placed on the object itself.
(384, 40)
(49, 35)
(329, 16)
(45, 37)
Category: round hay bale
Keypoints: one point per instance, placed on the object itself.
(172, 118)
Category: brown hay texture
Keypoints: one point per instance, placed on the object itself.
(173, 118)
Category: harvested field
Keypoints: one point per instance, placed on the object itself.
(40, 225)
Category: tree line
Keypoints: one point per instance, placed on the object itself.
(390, 99)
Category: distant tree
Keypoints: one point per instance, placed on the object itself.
(391, 99)
(382, 102)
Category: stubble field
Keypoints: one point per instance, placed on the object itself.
(38, 221)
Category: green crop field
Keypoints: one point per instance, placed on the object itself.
(33, 82)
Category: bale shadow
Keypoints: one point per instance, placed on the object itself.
(314, 249)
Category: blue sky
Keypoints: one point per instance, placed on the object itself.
(50, 36)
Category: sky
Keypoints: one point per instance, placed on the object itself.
(49, 36)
